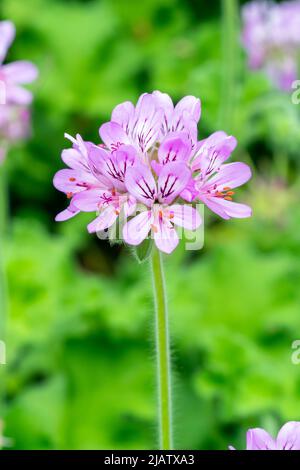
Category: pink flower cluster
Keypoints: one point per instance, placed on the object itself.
(152, 170)
(288, 438)
(271, 36)
(14, 99)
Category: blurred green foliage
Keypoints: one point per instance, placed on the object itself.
(80, 371)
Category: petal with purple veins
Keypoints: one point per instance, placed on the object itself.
(140, 183)
(113, 135)
(175, 147)
(289, 436)
(172, 180)
(259, 439)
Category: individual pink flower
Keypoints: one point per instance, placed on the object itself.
(211, 182)
(14, 99)
(17, 73)
(214, 181)
(14, 126)
(111, 198)
(288, 438)
(151, 162)
(77, 178)
(95, 182)
(161, 215)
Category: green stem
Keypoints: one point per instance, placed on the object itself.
(3, 285)
(162, 351)
(230, 43)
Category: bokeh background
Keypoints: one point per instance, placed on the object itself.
(80, 348)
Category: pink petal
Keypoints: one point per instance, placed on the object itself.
(147, 121)
(191, 105)
(227, 209)
(20, 72)
(90, 200)
(73, 181)
(113, 135)
(164, 102)
(259, 439)
(7, 35)
(79, 144)
(105, 220)
(172, 180)
(129, 206)
(17, 95)
(137, 229)
(175, 147)
(140, 183)
(67, 214)
(213, 152)
(74, 159)
(190, 192)
(185, 216)
(99, 160)
(165, 237)
(122, 114)
(289, 436)
(231, 175)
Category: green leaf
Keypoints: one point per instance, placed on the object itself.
(143, 251)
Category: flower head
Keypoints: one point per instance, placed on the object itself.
(151, 162)
(271, 37)
(288, 438)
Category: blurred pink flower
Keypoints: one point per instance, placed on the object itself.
(288, 438)
(271, 37)
(15, 100)
(14, 126)
(17, 73)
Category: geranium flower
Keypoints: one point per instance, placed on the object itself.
(14, 126)
(17, 73)
(288, 438)
(14, 99)
(161, 215)
(150, 161)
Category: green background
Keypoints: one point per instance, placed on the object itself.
(80, 370)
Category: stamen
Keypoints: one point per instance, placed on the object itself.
(154, 228)
(72, 179)
(69, 195)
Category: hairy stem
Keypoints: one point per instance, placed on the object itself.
(3, 287)
(162, 351)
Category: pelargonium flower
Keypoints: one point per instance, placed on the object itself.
(288, 438)
(15, 100)
(14, 126)
(17, 73)
(271, 37)
(151, 162)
